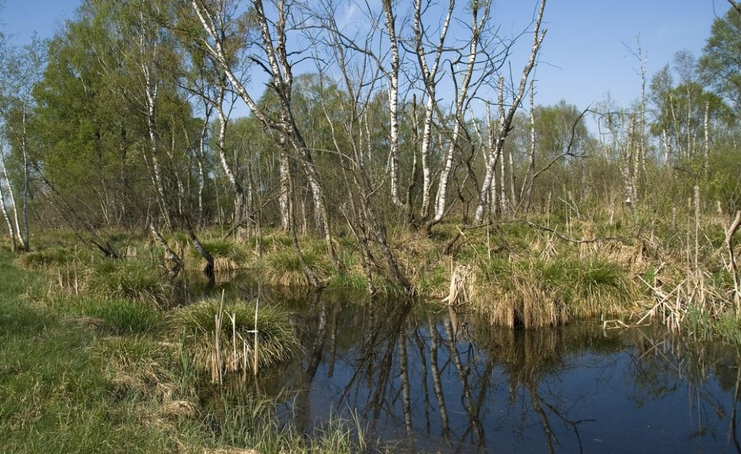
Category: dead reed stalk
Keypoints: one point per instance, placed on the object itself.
(460, 280)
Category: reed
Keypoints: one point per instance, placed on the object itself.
(219, 336)
(551, 291)
(250, 425)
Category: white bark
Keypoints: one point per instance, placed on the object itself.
(477, 26)
(3, 205)
(13, 205)
(538, 37)
(667, 146)
(706, 154)
(527, 182)
(239, 196)
(147, 53)
(429, 76)
(627, 165)
(200, 158)
(393, 93)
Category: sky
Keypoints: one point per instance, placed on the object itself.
(588, 52)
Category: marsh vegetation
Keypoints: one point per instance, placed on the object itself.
(174, 273)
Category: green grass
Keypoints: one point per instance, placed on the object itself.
(53, 396)
(129, 279)
(549, 291)
(119, 316)
(54, 257)
(283, 268)
(127, 386)
(277, 341)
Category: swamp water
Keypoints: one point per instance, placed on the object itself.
(426, 378)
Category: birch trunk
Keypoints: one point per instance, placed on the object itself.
(200, 159)
(527, 182)
(503, 202)
(706, 151)
(490, 179)
(506, 120)
(627, 165)
(667, 146)
(390, 20)
(4, 207)
(15, 230)
(24, 238)
(238, 190)
(429, 75)
(150, 99)
(477, 26)
(284, 190)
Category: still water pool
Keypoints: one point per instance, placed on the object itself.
(433, 379)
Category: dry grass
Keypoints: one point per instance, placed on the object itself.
(138, 366)
(551, 291)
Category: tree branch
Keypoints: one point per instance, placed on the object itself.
(735, 5)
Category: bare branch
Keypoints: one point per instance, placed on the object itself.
(735, 5)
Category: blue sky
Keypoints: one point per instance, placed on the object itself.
(586, 54)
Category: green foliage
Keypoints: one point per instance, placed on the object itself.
(723, 184)
(728, 328)
(719, 64)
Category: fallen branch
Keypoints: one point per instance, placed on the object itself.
(574, 240)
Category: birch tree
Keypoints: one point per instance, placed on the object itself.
(360, 72)
(272, 55)
(210, 83)
(507, 117)
(390, 21)
(20, 70)
(480, 11)
(429, 75)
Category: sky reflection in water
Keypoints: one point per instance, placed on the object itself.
(432, 380)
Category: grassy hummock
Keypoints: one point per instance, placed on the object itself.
(220, 336)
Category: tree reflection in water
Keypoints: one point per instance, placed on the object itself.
(436, 380)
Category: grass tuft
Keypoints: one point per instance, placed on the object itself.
(120, 317)
(51, 258)
(551, 291)
(231, 348)
(284, 269)
(129, 279)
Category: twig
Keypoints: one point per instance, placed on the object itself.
(573, 240)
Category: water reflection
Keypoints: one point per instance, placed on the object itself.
(432, 379)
